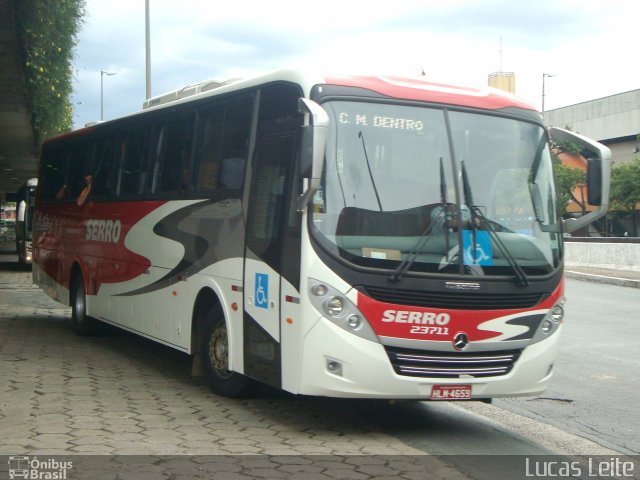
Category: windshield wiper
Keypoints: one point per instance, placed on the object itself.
(444, 203)
(373, 183)
(468, 199)
(478, 216)
(422, 242)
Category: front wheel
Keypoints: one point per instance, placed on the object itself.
(82, 323)
(215, 358)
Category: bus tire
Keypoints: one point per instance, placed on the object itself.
(215, 357)
(21, 260)
(82, 323)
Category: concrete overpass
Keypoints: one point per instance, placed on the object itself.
(18, 156)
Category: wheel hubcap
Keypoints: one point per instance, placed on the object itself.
(219, 351)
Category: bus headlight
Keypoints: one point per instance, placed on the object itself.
(557, 313)
(334, 306)
(319, 290)
(550, 323)
(339, 310)
(354, 321)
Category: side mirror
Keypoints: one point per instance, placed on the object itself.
(21, 210)
(598, 175)
(314, 139)
(594, 181)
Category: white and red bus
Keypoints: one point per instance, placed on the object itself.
(327, 235)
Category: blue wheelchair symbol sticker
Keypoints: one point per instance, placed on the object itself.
(481, 253)
(262, 290)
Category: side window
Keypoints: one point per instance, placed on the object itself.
(54, 173)
(79, 169)
(269, 192)
(209, 168)
(272, 228)
(235, 146)
(172, 170)
(133, 159)
(225, 141)
(102, 169)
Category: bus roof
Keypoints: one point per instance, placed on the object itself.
(411, 89)
(417, 89)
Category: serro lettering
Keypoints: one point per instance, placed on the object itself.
(420, 318)
(103, 230)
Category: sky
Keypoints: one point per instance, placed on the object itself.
(589, 46)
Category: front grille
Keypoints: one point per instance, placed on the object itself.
(454, 300)
(432, 364)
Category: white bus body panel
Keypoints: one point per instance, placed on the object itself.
(367, 371)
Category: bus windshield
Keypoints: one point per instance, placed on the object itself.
(437, 191)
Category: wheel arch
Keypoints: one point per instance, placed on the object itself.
(206, 299)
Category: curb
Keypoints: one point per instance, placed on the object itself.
(589, 277)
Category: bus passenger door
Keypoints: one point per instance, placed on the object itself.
(266, 258)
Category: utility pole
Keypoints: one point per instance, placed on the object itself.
(545, 75)
(148, 49)
(102, 74)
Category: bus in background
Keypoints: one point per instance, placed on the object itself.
(25, 209)
(347, 236)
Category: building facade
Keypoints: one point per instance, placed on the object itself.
(612, 120)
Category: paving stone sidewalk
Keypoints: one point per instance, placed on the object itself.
(121, 395)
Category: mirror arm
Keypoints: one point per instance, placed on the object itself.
(317, 119)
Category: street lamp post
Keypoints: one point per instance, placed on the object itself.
(102, 74)
(545, 75)
(147, 50)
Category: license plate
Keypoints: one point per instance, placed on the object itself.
(451, 392)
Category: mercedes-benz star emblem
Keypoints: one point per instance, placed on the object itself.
(460, 341)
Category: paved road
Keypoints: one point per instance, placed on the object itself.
(61, 394)
(594, 392)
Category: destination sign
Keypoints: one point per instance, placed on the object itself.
(380, 121)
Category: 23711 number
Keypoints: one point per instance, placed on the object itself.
(425, 330)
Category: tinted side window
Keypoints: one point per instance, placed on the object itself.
(102, 169)
(210, 156)
(225, 141)
(173, 157)
(54, 173)
(274, 156)
(79, 169)
(273, 225)
(133, 163)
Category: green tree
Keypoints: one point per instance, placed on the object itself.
(625, 189)
(48, 34)
(568, 180)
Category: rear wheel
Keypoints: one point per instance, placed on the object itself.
(215, 357)
(22, 261)
(82, 323)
